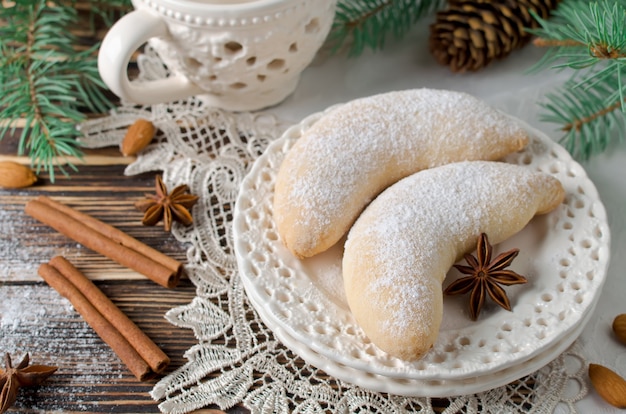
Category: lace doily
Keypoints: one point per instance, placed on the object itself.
(237, 359)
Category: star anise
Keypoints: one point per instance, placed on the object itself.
(486, 276)
(167, 207)
(11, 379)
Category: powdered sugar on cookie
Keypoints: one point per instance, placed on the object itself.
(357, 150)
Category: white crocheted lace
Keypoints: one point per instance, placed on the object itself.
(237, 359)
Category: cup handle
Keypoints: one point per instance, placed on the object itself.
(121, 41)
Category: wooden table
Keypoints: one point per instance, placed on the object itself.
(34, 318)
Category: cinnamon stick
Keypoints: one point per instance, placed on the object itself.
(114, 234)
(99, 237)
(157, 360)
(103, 328)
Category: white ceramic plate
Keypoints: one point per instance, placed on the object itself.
(563, 254)
(416, 387)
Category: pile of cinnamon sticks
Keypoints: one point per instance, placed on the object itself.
(140, 354)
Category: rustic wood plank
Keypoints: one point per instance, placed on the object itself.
(34, 318)
(78, 162)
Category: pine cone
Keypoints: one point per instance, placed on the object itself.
(470, 34)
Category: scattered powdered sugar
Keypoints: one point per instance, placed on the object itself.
(22, 248)
(406, 294)
(378, 140)
(17, 262)
(37, 320)
(415, 229)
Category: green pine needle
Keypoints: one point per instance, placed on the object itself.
(590, 38)
(45, 83)
(362, 24)
(588, 116)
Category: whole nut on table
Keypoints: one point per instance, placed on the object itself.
(14, 175)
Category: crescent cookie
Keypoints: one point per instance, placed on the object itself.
(358, 149)
(399, 250)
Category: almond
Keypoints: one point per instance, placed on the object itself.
(14, 175)
(608, 384)
(619, 327)
(138, 136)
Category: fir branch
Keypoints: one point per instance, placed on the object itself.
(45, 82)
(589, 38)
(361, 24)
(588, 116)
(541, 42)
(578, 124)
(109, 11)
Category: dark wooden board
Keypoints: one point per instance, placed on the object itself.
(36, 319)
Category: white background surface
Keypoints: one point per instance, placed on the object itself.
(408, 64)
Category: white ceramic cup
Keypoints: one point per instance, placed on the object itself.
(240, 55)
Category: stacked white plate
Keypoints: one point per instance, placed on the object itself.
(564, 256)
